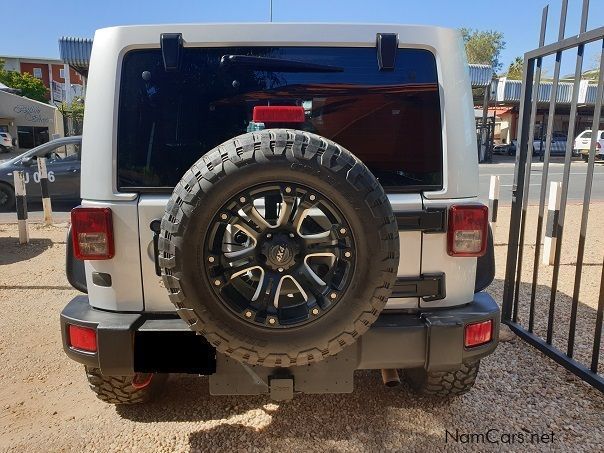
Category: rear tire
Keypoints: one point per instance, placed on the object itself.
(443, 383)
(136, 389)
(7, 198)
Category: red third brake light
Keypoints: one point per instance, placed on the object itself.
(278, 114)
(468, 229)
(478, 333)
(92, 231)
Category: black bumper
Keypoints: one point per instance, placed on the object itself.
(133, 342)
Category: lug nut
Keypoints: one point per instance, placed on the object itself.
(333, 295)
(269, 235)
(342, 230)
(312, 198)
(288, 189)
(347, 254)
(217, 282)
(211, 259)
(248, 314)
(242, 199)
(315, 311)
(280, 269)
(224, 216)
(272, 320)
(291, 235)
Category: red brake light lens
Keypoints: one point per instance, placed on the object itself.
(82, 338)
(468, 230)
(278, 114)
(92, 232)
(478, 333)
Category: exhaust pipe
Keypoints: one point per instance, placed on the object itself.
(390, 377)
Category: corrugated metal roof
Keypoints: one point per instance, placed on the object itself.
(480, 75)
(76, 52)
(509, 91)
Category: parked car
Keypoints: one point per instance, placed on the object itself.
(269, 259)
(63, 173)
(583, 142)
(6, 142)
(558, 146)
(508, 149)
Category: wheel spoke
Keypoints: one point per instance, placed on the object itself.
(251, 211)
(235, 271)
(245, 226)
(287, 206)
(237, 255)
(302, 211)
(267, 291)
(309, 281)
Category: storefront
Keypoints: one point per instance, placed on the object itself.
(29, 122)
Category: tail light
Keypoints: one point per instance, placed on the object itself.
(278, 114)
(82, 338)
(92, 232)
(478, 333)
(468, 229)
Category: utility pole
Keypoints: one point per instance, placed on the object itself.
(271, 10)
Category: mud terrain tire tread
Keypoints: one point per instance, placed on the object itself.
(119, 389)
(444, 383)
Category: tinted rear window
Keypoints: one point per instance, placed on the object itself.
(389, 119)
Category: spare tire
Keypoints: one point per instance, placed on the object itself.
(279, 247)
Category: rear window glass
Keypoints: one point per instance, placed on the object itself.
(389, 119)
(586, 134)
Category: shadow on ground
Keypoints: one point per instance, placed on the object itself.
(13, 252)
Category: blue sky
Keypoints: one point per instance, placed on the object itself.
(34, 30)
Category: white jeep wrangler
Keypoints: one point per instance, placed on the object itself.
(276, 206)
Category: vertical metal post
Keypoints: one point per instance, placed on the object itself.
(545, 171)
(518, 188)
(484, 130)
(527, 176)
(595, 125)
(566, 173)
(271, 10)
(21, 203)
(595, 354)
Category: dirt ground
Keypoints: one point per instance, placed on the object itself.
(45, 404)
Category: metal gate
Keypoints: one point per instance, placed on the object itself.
(515, 300)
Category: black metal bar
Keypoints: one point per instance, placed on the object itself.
(566, 173)
(518, 189)
(571, 365)
(595, 125)
(595, 354)
(545, 172)
(568, 43)
(529, 161)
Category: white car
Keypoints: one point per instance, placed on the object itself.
(583, 142)
(6, 142)
(255, 209)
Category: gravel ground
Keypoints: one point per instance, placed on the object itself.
(46, 405)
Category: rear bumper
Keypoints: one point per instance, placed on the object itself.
(135, 342)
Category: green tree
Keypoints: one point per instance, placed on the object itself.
(28, 85)
(73, 113)
(483, 46)
(515, 69)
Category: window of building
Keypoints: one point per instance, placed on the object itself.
(30, 136)
(62, 73)
(38, 73)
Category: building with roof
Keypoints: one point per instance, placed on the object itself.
(54, 74)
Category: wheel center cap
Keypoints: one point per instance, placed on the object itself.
(280, 251)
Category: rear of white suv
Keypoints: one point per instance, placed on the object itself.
(255, 163)
(583, 142)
